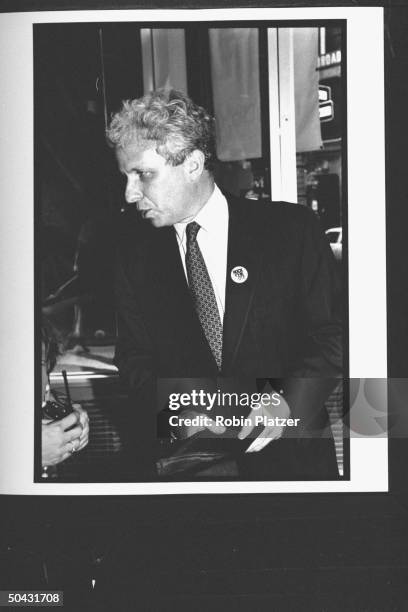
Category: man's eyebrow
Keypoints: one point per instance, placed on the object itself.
(141, 169)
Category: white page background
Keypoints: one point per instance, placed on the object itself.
(367, 280)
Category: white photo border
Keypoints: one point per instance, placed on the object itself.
(367, 283)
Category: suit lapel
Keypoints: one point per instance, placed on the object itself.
(167, 264)
(174, 306)
(244, 251)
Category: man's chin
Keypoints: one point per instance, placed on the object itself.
(156, 221)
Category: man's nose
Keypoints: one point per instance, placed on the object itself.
(133, 191)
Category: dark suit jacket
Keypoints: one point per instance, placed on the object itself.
(281, 324)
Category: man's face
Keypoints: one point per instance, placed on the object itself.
(162, 193)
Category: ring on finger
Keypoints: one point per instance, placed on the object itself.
(74, 448)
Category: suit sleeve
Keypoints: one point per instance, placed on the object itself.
(319, 367)
(134, 352)
(321, 293)
(134, 358)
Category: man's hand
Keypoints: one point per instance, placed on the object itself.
(84, 422)
(269, 433)
(59, 441)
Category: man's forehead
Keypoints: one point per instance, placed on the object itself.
(138, 153)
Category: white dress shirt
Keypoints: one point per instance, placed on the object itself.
(212, 239)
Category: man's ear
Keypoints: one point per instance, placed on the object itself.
(194, 165)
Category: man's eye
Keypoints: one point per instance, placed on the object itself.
(146, 174)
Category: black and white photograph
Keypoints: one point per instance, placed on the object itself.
(204, 314)
(245, 322)
(194, 224)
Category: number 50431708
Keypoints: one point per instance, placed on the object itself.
(31, 598)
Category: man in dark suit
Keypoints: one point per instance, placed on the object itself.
(218, 288)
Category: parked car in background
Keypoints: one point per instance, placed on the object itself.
(335, 237)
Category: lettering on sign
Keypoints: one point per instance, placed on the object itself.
(329, 59)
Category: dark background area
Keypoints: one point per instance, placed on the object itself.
(72, 5)
(265, 552)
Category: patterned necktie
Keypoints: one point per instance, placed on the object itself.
(203, 293)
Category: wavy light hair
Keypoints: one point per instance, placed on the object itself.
(170, 121)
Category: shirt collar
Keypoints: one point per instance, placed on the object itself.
(210, 217)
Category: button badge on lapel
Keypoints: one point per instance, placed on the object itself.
(239, 274)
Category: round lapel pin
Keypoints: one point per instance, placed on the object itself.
(239, 274)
